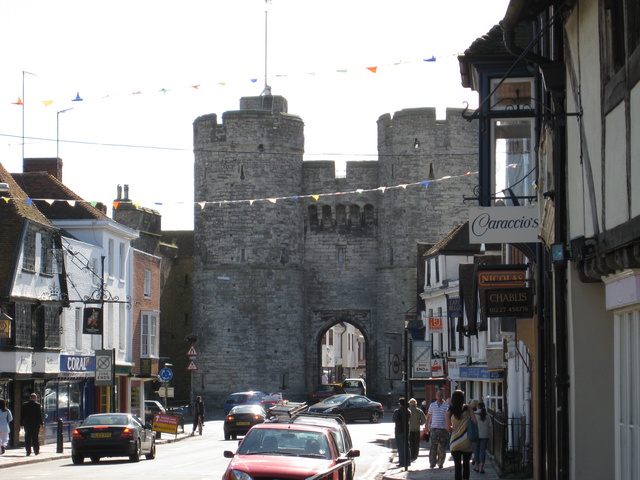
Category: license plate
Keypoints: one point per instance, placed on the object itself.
(101, 435)
(243, 423)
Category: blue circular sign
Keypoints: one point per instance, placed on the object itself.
(166, 374)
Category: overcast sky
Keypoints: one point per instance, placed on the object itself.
(145, 70)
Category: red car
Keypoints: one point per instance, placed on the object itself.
(325, 391)
(286, 451)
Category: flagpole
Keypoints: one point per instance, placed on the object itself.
(23, 72)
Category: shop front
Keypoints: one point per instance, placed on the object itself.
(69, 397)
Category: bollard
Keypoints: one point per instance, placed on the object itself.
(60, 446)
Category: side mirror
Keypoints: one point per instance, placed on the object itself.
(353, 453)
(228, 454)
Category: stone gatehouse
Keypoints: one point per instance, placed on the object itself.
(284, 249)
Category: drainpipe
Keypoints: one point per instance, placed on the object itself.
(560, 270)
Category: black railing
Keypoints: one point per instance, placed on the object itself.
(510, 443)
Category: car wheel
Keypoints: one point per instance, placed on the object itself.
(77, 459)
(234, 437)
(95, 459)
(152, 452)
(135, 457)
(375, 417)
(227, 435)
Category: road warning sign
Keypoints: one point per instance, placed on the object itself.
(192, 352)
(192, 366)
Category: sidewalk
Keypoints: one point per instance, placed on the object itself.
(420, 469)
(17, 456)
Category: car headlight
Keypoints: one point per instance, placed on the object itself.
(239, 475)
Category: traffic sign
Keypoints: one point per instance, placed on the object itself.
(192, 352)
(192, 365)
(166, 374)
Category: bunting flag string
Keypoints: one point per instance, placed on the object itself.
(273, 200)
(164, 91)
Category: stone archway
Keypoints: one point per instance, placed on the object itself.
(322, 321)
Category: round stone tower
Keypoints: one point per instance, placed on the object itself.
(248, 277)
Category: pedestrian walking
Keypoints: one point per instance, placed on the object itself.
(31, 419)
(401, 417)
(5, 425)
(436, 428)
(458, 417)
(416, 421)
(480, 447)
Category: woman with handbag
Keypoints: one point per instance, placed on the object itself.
(458, 418)
(5, 425)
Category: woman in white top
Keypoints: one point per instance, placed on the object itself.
(5, 425)
(480, 451)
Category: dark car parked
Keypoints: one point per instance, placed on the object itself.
(325, 391)
(240, 420)
(351, 407)
(112, 435)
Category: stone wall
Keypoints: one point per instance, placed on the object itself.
(272, 276)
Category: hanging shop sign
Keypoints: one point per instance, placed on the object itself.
(511, 302)
(504, 224)
(454, 307)
(435, 325)
(92, 321)
(492, 278)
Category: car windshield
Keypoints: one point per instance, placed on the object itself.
(107, 420)
(336, 399)
(285, 442)
(351, 384)
(237, 398)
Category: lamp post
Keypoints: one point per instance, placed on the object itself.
(58, 129)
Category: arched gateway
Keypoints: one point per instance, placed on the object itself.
(284, 249)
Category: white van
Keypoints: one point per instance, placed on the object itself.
(355, 385)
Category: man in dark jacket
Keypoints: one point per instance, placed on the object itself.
(31, 419)
(198, 415)
(401, 418)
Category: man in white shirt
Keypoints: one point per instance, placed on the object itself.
(436, 427)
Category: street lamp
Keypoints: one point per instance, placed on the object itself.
(58, 129)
